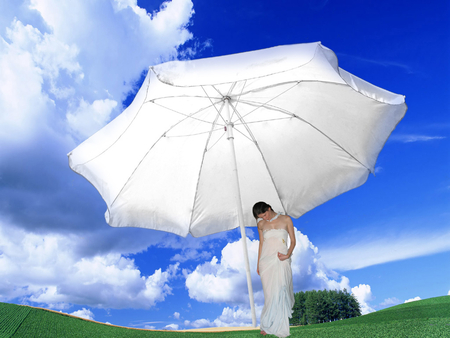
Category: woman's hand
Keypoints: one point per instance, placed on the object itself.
(257, 269)
(282, 257)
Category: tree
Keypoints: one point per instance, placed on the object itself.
(304, 321)
(354, 306)
(299, 308)
(324, 305)
(312, 307)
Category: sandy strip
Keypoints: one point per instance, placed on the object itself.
(208, 329)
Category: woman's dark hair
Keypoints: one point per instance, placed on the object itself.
(260, 208)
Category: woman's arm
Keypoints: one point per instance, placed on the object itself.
(261, 239)
(291, 232)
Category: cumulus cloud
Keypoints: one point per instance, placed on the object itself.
(176, 315)
(171, 327)
(88, 118)
(448, 294)
(412, 299)
(224, 280)
(231, 317)
(84, 313)
(363, 294)
(74, 61)
(44, 269)
(66, 68)
(24, 106)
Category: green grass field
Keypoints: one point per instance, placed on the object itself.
(425, 318)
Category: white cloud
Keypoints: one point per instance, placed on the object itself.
(84, 313)
(65, 68)
(45, 269)
(237, 316)
(230, 317)
(363, 294)
(225, 280)
(149, 327)
(83, 57)
(176, 315)
(448, 294)
(379, 170)
(372, 250)
(384, 63)
(171, 327)
(409, 138)
(191, 254)
(89, 118)
(23, 105)
(391, 302)
(412, 299)
(199, 323)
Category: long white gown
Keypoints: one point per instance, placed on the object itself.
(276, 278)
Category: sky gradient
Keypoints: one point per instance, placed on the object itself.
(68, 68)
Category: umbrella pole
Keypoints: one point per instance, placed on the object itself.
(230, 138)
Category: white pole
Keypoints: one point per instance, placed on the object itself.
(230, 138)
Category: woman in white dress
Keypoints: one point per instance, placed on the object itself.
(274, 268)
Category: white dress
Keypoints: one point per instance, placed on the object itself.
(276, 278)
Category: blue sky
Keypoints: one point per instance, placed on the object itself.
(68, 68)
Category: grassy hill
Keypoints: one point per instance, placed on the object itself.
(425, 318)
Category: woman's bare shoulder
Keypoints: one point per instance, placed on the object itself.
(260, 224)
(287, 220)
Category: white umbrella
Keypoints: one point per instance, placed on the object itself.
(204, 140)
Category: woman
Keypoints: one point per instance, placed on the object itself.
(274, 268)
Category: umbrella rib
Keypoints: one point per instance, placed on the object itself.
(212, 103)
(196, 134)
(268, 120)
(203, 159)
(148, 151)
(241, 118)
(240, 132)
(213, 86)
(335, 142)
(185, 115)
(177, 96)
(267, 105)
(273, 98)
(238, 98)
(219, 114)
(317, 129)
(228, 95)
(120, 136)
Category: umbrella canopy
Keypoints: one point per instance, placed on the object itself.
(304, 131)
(204, 140)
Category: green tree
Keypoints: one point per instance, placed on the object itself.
(355, 307)
(333, 305)
(304, 321)
(324, 305)
(312, 307)
(299, 308)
